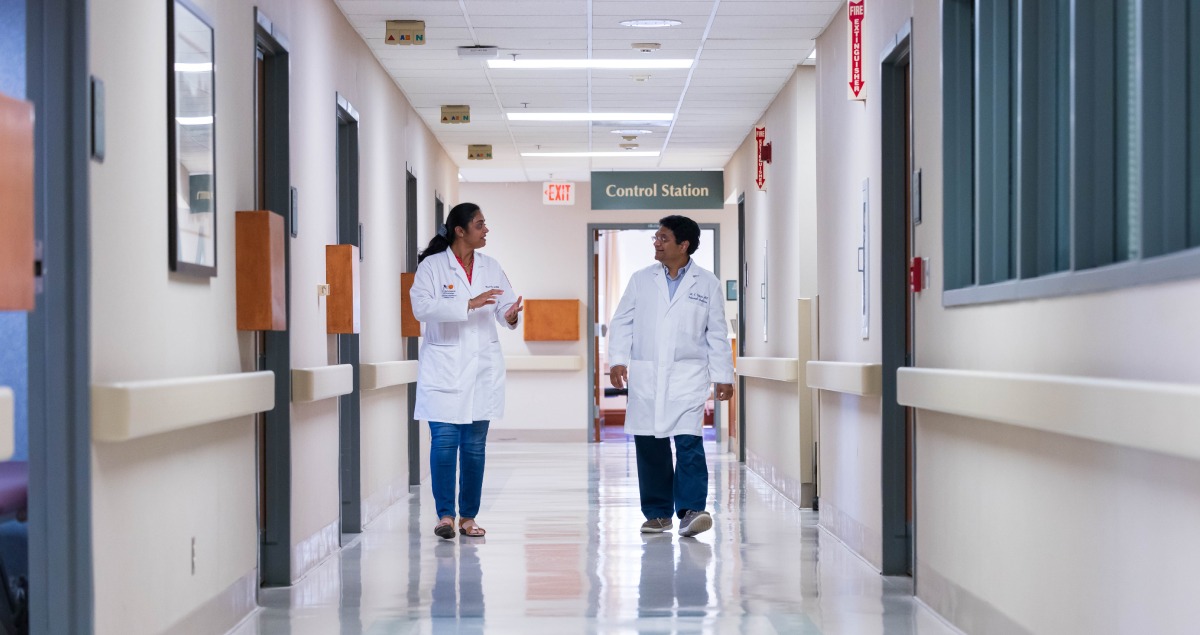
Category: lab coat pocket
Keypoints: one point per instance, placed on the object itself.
(439, 368)
(687, 384)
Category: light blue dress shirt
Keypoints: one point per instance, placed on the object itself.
(673, 283)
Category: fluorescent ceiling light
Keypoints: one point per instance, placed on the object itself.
(590, 116)
(623, 153)
(651, 24)
(630, 64)
(626, 133)
(193, 67)
(194, 121)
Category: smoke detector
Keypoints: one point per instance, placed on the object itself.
(646, 47)
(640, 78)
(629, 146)
(629, 137)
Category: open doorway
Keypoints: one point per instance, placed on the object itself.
(616, 251)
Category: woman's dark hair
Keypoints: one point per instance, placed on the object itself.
(460, 216)
(684, 228)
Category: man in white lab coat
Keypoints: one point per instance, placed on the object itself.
(668, 341)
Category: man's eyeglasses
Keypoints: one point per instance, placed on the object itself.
(659, 238)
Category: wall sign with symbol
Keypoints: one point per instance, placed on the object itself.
(856, 11)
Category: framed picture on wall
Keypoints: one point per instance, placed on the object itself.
(731, 290)
(191, 140)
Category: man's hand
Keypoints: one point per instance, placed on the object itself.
(485, 298)
(618, 375)
(724, 392)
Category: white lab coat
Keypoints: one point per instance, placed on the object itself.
(674, 348)
(460, 377)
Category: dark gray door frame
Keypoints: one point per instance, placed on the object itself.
(591, 310)
(744, 283)
(895, 248)
(275, 548)
(413, 344)
(349, 233)
(60, 478)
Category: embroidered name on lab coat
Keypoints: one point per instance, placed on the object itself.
(449, 292)
(697, 297)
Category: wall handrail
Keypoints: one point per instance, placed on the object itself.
(543, 362)
(8, 423)
(1154, 416)
(129, 410)
(385, 374)
(853, 378)
(786, 369)
(321, 382)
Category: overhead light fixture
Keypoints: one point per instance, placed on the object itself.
(626, 153)
(646, 47)
(618, 65)
(626, 133)
(650, 24)
(590, 116)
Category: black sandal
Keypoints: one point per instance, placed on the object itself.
(444, 529)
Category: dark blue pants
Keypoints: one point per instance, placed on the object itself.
(667, 489)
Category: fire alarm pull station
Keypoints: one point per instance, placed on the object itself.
(916, 275)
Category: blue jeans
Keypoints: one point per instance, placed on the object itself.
(665, 488)
(447, 441)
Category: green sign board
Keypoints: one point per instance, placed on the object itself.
(658, 190)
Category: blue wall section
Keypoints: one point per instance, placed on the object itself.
(14, 338)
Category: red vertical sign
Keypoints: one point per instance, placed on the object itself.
(856, 11)
(760, 135)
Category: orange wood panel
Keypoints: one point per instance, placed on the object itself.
(341, 273)
(551, 320)
(261, 296)
(16, 205)
(409, 325)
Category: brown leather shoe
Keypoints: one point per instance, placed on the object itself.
(656, 525)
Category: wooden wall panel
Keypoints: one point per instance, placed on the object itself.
(16, 205)
(342, 313)
(261, 296)
(409, 326)
(551, 320)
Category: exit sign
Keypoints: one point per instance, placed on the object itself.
(558, 193)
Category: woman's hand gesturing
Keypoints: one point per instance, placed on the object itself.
(484, 299)
(513, 311)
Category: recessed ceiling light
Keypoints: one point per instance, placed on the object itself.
(625, 133)
(590, 116)
(631, 64)
(650, 24)
(624, 153)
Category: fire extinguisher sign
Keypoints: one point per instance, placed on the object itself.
(856, 11)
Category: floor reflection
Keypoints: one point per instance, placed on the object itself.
(564, 554)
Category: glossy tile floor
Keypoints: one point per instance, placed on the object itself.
(563, 554)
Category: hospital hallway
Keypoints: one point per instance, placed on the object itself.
(564, 554)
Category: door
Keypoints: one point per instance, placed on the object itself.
(273, 192)
(897, 308)
(413, 346)
(349, 233)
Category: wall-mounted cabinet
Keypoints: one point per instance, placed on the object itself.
(409, 325)
(261, 291)
(342, 313)
(552, 320)
(16, 205)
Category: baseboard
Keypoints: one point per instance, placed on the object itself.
(538, 436)
(800, 494)
(961, 608)
(386, 496)
(224, 611)
(859, 538)
(310, 552)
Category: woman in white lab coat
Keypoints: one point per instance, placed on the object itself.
(460, 295)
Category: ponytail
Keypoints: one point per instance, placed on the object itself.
(460, 216)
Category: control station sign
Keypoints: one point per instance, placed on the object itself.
(658, 190)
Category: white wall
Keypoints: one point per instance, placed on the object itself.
(543, 249)
(1017, 530)
(781, 242)
(153, 496)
